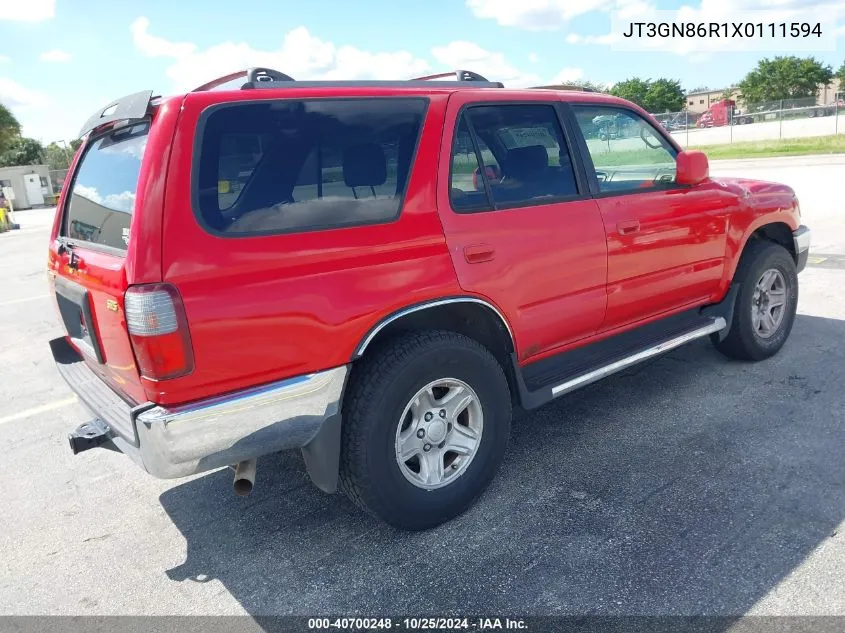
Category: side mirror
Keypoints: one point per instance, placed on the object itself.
(691, 167)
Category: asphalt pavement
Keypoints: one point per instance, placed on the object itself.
(689, 485)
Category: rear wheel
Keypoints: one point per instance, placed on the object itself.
(765, 306)
(425, 427)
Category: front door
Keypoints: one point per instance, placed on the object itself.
(32, 182)
(665, 242)
(521, 231)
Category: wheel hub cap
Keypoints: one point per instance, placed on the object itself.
(768, 305)
(439, 433)
(436, 431)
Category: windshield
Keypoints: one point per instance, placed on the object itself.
(102, 197)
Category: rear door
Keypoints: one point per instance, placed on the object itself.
(666, 243)
(523, 231)
(89, 253)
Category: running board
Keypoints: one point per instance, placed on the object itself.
(554, 377)
(571, 385)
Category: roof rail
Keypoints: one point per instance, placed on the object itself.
(253, 76)
(269, 78)
(564, 87)
(460, 75)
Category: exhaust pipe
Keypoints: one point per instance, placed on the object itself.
(244, 477)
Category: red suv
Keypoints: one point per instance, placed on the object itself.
(377, 272)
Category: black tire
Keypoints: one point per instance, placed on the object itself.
(380, 387)
(742, 341)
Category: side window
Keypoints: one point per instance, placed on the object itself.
(467, 186)
(525, 158)
(628, 153)
(300, 165)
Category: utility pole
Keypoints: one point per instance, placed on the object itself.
(63, 145)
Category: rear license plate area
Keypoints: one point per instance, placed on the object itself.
(75, 309)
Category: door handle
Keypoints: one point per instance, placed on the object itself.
(628, 227)
(477, 253)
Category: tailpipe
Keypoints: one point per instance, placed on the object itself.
(244, 477)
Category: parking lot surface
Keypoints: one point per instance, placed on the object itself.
(689, 485)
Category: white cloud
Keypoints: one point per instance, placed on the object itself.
(494, 66)
(117, 201)
(300, 55)
(153, 46)
(55, 55)
(15, 96)
(606, 39)
(533, 58)
(535, 15)
(568, 75)
(5, 59)
(27, 10)
(120, 201)
(88, 192)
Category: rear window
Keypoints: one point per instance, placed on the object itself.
(102, 197)
(285, 166)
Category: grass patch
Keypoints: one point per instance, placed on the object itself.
(785, 147)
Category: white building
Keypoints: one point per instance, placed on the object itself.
(30, 184)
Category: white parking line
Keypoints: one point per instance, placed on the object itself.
(25, 299)
(20, 415)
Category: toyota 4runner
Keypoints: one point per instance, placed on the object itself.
(377, 273)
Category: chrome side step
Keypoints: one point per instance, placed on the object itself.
(717, 324)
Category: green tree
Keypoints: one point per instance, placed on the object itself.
(784, 77)
(22, 151)
(658, 96)
(664, 95)
(58, 156)
(589, 85)
(634, 90)
(840, 75)
(10, 129)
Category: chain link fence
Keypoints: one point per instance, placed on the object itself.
(726, 122)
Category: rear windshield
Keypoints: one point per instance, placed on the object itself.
(282, 166)
(102, 197)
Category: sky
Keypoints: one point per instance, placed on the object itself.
(60, 60)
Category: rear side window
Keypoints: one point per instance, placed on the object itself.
(286, 166)
(102, 197)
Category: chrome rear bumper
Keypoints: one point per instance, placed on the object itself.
(171, 442)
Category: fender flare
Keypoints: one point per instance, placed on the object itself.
(425, 305)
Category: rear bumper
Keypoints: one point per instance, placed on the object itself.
(171, 442)
(801, 238)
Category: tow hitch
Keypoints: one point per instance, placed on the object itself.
(87, 436)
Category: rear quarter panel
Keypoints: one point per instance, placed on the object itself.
(270, 307)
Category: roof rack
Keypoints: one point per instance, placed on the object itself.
(253, 76)
(269, 78)
(460, 75)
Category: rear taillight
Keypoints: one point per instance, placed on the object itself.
(158, 329)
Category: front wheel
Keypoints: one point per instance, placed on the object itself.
(426, 421)
(766, 304)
